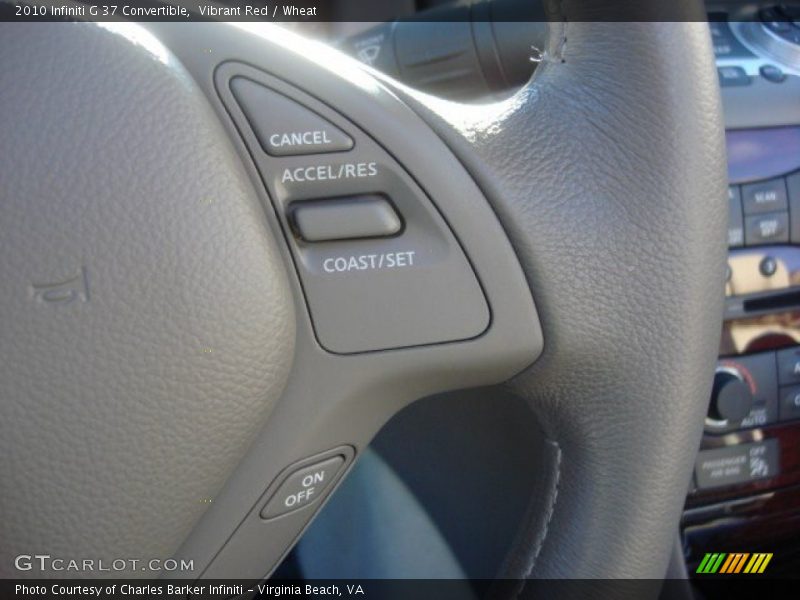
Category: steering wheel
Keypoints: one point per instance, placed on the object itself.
(204, 324)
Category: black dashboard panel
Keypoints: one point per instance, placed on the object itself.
(745, 494)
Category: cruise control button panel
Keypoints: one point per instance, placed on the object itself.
(379, 265)
(285, 127)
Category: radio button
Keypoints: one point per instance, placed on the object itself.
(732, 76)
(771, 228)
(768, 266)
(772, 73)
(764, 197)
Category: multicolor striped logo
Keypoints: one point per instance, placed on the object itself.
(735, 562)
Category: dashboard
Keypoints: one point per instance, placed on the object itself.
(745, 490)
(745, 493)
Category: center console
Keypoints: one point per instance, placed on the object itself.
(745, 493)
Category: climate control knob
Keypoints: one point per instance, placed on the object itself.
(731, 398)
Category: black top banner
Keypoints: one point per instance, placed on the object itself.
(348, 10)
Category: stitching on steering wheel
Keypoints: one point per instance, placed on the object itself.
(549, 516)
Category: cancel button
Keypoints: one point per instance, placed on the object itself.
(283, 126)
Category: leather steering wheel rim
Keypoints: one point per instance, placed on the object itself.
(606, 173)
(631, 235)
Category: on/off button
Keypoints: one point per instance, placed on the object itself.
(302, 487)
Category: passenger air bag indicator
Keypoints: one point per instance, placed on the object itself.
(737, 464)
